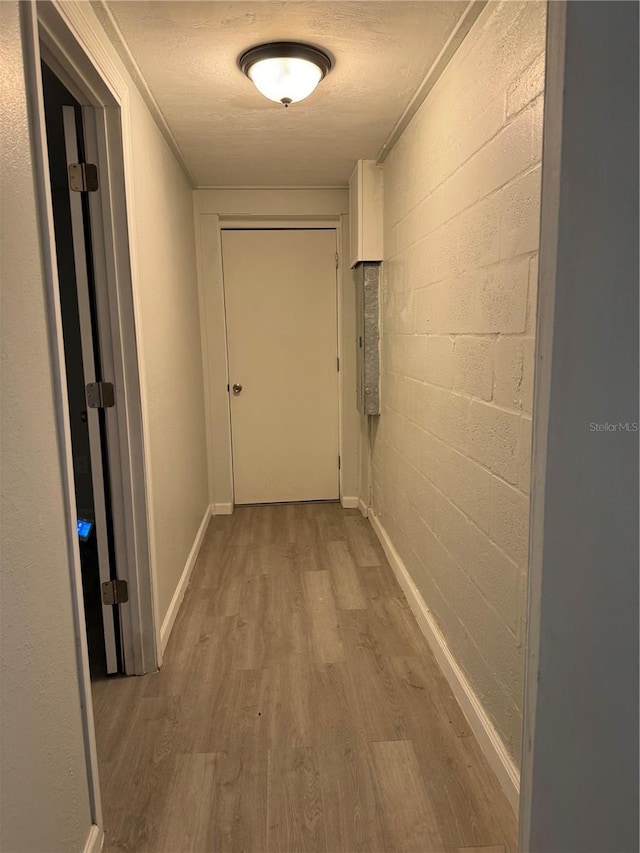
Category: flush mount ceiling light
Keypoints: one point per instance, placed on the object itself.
(285, 71)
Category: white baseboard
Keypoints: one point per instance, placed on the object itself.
(364, 509)
(222, 509)
(95, 840)
(183, 583)
(349, 502)
(482, 727)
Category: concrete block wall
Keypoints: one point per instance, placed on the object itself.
(451, 451)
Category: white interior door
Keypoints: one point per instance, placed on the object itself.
(89, 368)
(281, 311)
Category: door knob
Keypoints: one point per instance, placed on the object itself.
(236, 388)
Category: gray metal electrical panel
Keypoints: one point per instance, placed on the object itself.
(367, 281)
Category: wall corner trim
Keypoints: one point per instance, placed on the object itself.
(222, 509)
(183, 583)
(489, 740)
(364, 509)
(95, 840)
(456, 37)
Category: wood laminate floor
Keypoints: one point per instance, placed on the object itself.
(298, 708)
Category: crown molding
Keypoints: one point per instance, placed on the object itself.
(458, 35)
(107, 22)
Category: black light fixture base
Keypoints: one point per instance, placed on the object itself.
(285, 50)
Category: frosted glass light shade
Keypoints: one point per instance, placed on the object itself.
(285, 72)
(285, 80)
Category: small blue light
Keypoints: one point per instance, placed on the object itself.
(84, 529)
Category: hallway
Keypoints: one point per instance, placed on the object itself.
(299, 708)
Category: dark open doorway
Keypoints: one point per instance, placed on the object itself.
(65, 142)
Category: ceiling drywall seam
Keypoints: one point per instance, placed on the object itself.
(459, 33)
(111, 28)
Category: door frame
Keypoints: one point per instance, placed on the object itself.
(59, 34)
(231, 223)
(215, 350)
(89, 337)
(63, 41)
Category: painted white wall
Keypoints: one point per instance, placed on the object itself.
(267, 205)
(168, 323)
(580, 762)
(451, 451)
(44, 794)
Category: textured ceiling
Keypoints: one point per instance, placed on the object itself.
(229, 134)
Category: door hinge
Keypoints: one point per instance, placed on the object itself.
(83, 177)
(115, 592)
(337, 261)
(338, 364)
(339, 463)
(100, 395)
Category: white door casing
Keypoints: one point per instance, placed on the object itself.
(281, 314)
